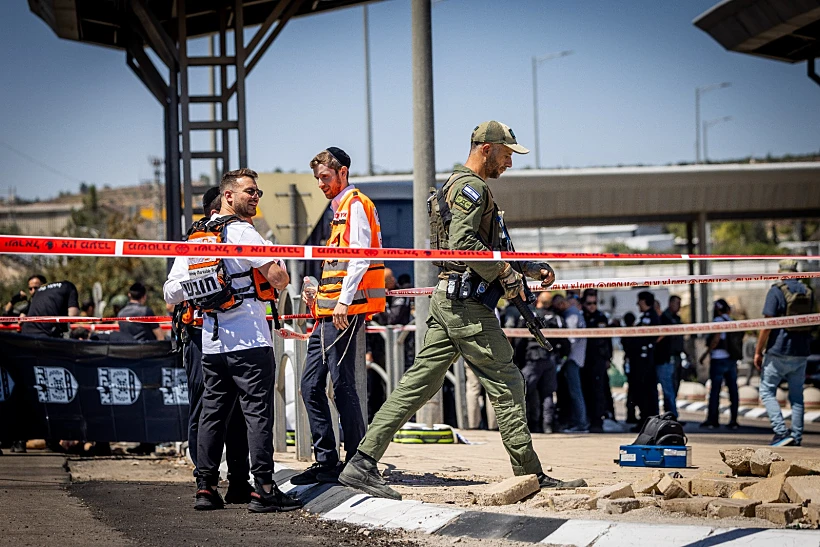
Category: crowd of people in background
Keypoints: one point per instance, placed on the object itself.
(568, 389)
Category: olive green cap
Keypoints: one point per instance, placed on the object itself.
(787, 265)
(494, 132)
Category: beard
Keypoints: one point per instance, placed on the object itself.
(495, 165)
(246, 210)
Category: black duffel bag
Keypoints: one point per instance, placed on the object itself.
(663, 430)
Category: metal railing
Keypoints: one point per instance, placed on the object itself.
(294, 352)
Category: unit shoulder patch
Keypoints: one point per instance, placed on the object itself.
(463, 204)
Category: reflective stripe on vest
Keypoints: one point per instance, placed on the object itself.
(369, 297)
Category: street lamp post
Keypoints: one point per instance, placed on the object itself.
(706, 125)
(698, 92)
(535, 62)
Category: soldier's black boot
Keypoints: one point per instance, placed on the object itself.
(548, 482)
(362, 474)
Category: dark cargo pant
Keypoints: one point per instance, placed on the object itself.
(236, 434)
(249, 374)
(468, 328)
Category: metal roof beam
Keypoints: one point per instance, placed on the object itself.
(147, 73)
(157, 38)
(293, 7)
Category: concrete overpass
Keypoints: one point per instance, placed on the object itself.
(618, 195)
(693, 194)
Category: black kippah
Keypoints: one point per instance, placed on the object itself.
(210, 195)
(340, 155)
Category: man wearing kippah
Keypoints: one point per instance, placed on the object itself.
(462, 322)
(781, 354)
(349, 293)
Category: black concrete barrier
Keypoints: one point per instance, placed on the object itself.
(54, 388)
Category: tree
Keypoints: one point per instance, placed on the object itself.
(114, 274)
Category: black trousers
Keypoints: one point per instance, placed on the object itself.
(340, 361)
(541, 379)
(248, 374)
(645, 395)
(236, 434)
(595, 386)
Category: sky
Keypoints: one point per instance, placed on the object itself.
(74, 112)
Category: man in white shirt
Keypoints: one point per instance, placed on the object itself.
(349, 293)
(237, 357)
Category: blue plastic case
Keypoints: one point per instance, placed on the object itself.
(642, 455)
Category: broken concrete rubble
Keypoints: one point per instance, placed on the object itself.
(768, 490)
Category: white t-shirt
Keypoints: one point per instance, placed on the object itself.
(719, 353)
(243, 327)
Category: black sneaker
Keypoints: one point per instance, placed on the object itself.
(208, 499)
(782, 440)
(548, 482)
(310, 475)
(238, 492)
(330, 474)
(734, 426)
(708, 425)
(18, 447)
(362, 474)
(274, 501)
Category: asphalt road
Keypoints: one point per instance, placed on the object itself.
(39, 506)
(162, 514)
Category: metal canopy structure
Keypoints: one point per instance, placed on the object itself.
(784, 30)
(164, 27)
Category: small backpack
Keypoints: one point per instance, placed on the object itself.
(663, 430)
(734, 345)
(797, 303)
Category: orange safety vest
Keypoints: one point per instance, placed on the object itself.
(370, 294)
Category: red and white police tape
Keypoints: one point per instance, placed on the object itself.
(634, 282)
(64, 246)
(666, 330)
(689, 328)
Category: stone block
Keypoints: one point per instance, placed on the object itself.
(648, 501)
(812, 513)
(804, 467)
(563, 502)
(614, 491)
(690, 506)
(721, 488)
(589, 490)
(779, 513)
(648, 484)
(802, 489)
(510, 490)
(780, 468)
(738, 460)
(762, 460)
(618, 506)
(672, 488)
(725, 508)
(768, 490)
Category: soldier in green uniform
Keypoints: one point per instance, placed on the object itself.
(464, 216)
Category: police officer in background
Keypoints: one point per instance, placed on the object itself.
(642, 364)
(538, 366)
(594, 377)
(464, 216)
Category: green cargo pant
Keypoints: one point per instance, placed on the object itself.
(468, 328)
